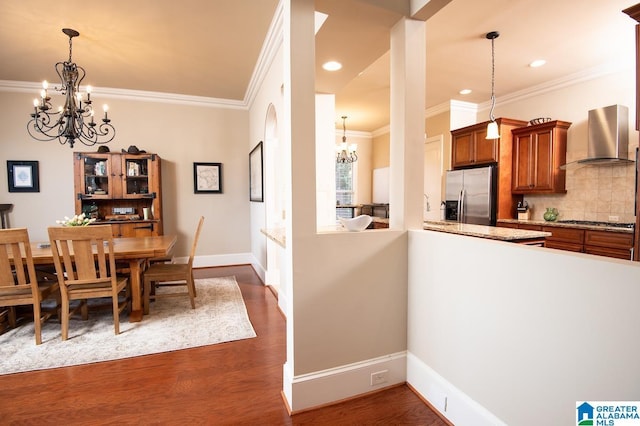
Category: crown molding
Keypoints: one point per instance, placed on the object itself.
(270, 46)
(557, 84)
(381, 131)
(133, 95)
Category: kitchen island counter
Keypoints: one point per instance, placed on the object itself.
(490, 232)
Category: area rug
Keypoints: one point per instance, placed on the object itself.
(220, 316)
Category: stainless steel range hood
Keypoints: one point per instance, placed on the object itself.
(608, 142)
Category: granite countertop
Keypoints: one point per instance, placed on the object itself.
(569, 225)
(484, 231)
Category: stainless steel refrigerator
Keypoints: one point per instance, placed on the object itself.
(470, 195)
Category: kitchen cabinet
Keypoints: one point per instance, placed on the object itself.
(570, 239)
(582, 240)
(634, 12)
(469, 147)
(117, 188)
(538, 153)
(611, 244)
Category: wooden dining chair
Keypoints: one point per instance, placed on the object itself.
(19, 283)
(86, 269)
(160, 275)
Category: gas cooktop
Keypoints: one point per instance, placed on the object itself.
(596, 223)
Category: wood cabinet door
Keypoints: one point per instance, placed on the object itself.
(561, 245)
(533, 162)
(522, 160)
(538, 153)
(462, 150)
(608, 239)
(569, 235)
(485, 150)
(542, 166)
(609, 252)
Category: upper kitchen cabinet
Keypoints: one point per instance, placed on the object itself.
(121, 189)
(470, 146)
(538, 153)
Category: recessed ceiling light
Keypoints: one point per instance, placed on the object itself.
(332, 66)
(537, 63)
(465, 91)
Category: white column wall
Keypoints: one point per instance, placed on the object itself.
(505, 331)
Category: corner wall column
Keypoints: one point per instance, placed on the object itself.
(408, 70)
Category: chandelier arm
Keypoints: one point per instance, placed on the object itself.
(37, 133)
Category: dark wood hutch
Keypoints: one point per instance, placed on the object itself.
(120, 189)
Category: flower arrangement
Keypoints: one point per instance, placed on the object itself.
(77, 220)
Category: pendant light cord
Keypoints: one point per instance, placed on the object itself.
(493, 80)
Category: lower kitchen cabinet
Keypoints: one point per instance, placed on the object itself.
(600, 243)
(611, 244)
(569, 239)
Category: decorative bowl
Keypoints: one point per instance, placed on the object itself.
(539, 120)
(356, 224)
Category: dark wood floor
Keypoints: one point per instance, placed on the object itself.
(236, 383)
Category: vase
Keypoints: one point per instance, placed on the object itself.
(551, 214)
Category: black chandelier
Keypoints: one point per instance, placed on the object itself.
(74, 121)
(346, 153)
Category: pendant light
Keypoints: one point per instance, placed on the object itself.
(492, 127)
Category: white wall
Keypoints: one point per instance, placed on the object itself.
(180, 134)
(348, 311)
(275, 157)
(523, 331)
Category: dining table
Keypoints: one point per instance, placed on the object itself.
(136, 251)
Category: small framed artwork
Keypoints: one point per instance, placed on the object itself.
(23, 176)
(256, 184)
(207, 178)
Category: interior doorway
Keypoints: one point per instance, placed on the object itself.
(433, 171)
(274, 209)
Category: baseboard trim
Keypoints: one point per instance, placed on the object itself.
(321, 388)
(453, 404)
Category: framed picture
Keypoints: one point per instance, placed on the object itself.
(256, 185)
(207, 178)
(23, 176)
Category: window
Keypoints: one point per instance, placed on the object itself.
(345, 187)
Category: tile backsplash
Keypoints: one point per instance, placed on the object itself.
(598, 193)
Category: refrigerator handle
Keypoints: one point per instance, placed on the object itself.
(460, 205)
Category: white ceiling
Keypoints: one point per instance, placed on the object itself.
(210, 47)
